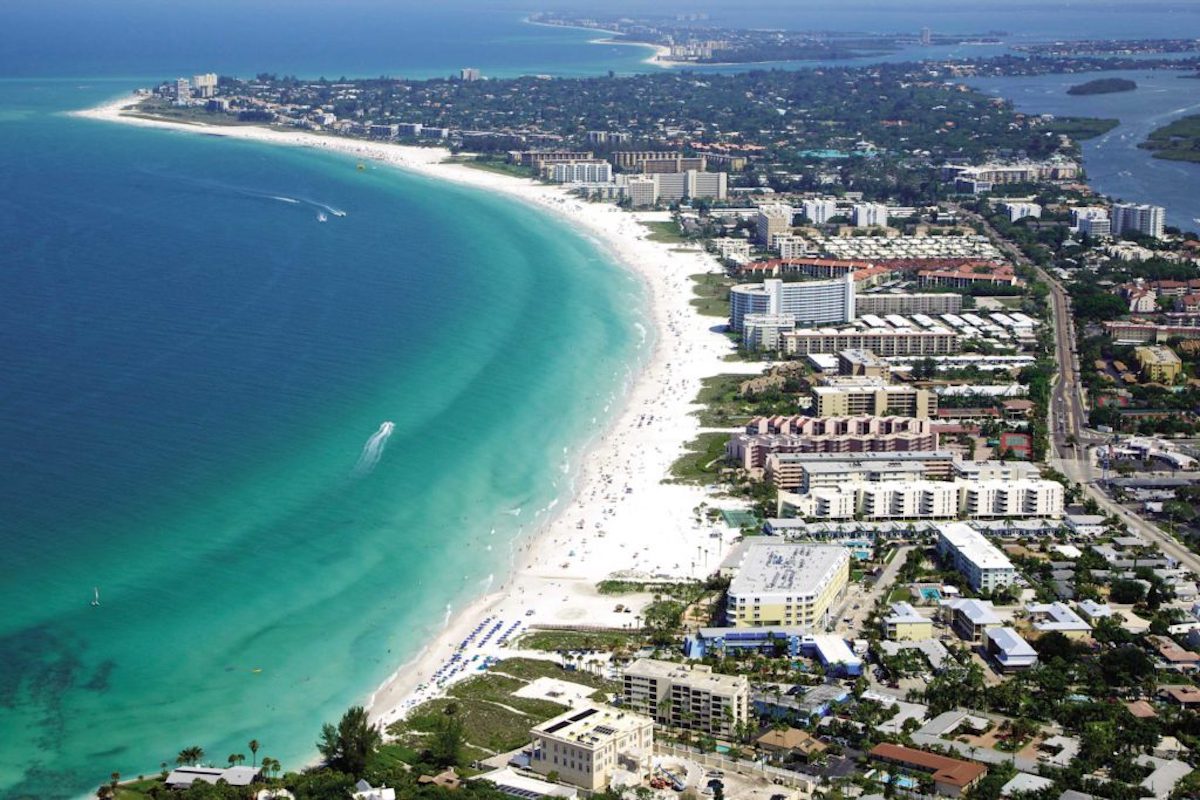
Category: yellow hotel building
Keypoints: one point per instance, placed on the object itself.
(786, 583)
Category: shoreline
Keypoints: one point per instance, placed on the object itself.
(655, 58)
(618, 518)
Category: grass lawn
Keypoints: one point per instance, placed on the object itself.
(531, 669)
(136, 790)
(555, 641)
(702, 460)
(499, 167)
(901, 594)
(712, 294)
(665, 232)
(487, 726)
(725, 407)
(494, 720)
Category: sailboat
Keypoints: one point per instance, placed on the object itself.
(321, 216)
(95, 595)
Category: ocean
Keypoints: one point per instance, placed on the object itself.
(282, 449)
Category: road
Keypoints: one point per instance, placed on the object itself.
(1071, 441)
(866, 599)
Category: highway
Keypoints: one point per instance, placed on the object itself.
(1071, 441)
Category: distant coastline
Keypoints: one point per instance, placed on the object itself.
(659, 58)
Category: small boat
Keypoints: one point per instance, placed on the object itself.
(321, 217)
(361, 166)
(95, 595)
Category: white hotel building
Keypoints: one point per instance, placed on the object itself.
(1144, 219)
(805, 302)
(581, 172)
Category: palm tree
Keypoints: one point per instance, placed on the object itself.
(236, 758)
(114, 779)
(190, 755)
(254, 750)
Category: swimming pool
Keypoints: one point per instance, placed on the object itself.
(931, 593)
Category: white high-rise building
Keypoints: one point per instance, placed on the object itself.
(469, 74)
(183, 91)
(818, 212)
(581, 172)
(1143, 219)
(641, 191)
(205, 85)
(805, 302)
(1017, 211)
(706, 185)
(866, 215)
(773, 219)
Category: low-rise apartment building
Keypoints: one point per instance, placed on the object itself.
(904, 624)
(845, 396)
(970, 553)
(951, 777)
(689, 696)
(881, 342)
(1158, 363)
(809, 471)
(970, 618)
(885, 493)
(858, 434)
(884, 303)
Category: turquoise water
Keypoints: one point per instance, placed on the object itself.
(194, 366)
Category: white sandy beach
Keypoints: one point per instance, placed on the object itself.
(659, 58)
(623, 519)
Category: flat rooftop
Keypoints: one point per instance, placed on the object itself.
(867, 458)
(590, 725)
(787, 568)
(904, 612)
(693, 676)
(974, 546)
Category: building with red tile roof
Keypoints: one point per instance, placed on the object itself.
(951, 776)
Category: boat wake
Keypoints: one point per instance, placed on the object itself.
(373, 450)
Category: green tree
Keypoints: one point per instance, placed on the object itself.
(190, 755)
(445, 746)
(254, 745)
(347, 745)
